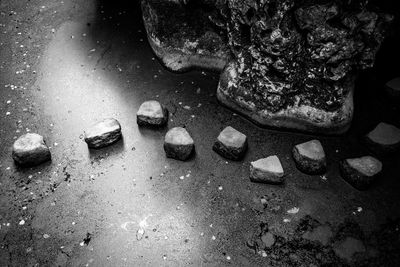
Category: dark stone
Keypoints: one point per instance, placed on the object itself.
(152, 113)
(393, 87)
(384, 139)
(103, 133)
(267, 170)
(30, 150)
(347, 248)
(310, 157)
(178, 144)
(360, 172)
(231, 144)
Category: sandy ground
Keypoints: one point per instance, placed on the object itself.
(67, 64)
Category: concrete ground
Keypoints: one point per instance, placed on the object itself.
(67, 64)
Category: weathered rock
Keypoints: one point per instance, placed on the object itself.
(30, 149)
(103, 133)
(360, 172)
(231, 144)
(348, 247)
(183, 34)
(310, 157)
(178, 144)
(385, 138)
(152, 113)
(268, 239)
(321, 234)
(267, 170)
(393, 87)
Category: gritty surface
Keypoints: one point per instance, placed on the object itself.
(65, 65)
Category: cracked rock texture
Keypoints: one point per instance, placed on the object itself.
(30, 149)
(103, 133)
(294, 63)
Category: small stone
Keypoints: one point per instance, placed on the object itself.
(268, 239)
(103, 133)
(310, 157)
(267, 170)
(231, 144)
(393, 87)
(178, 144)
(360, 172)
(385, 138)
(348, 247)
(152, 113)
(30, 149)
(321, 234)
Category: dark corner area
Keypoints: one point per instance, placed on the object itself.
(199, 133)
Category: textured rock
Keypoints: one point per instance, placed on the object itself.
(295, 68)
(310, 157)
(103, 133)
(185, 34)
(231, 144)
(293, 63)
(347, 248)
(393, 87)
(360, 172)
(267, 170)
(30, 149)
(152, 113)
(322, 234)
(385, 138)
(178, 144)
(268, 239)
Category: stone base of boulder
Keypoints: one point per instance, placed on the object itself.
(303, 118)
(178, 42)
(30, 150)
(103, 133)
(360, 172)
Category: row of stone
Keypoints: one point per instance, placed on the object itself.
(30, 149)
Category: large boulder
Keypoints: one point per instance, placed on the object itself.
(231, 144)
(30, 149)
(360, 172)
(393, 87)
(178, 144)
(103, 133)
(292, 65)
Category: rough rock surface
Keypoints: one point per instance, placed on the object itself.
(186, 34)
(348, 247)
(296, 61)
(103, 133)
(385, 138)
(293, 64)
(231, 144)
(178, 144)
(152, 113)
(310, 157)
(322, 234)
(30, 149)
(267, 170)
(393, 87)
(360, 172)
